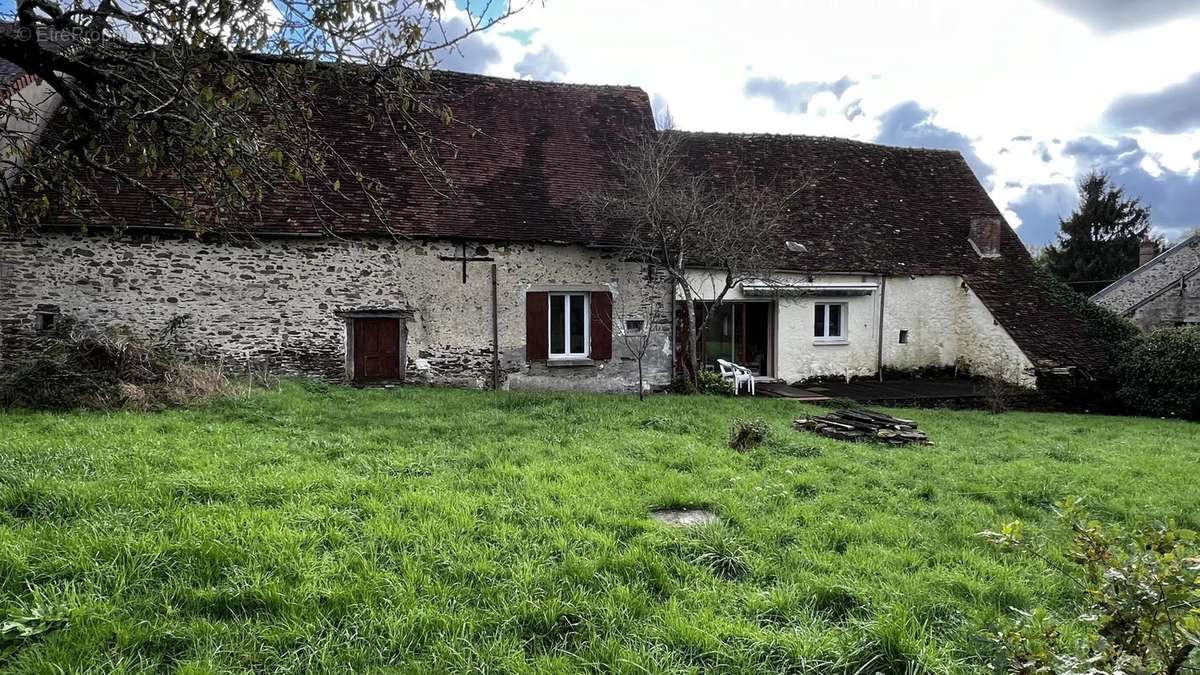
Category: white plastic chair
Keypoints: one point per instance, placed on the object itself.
(739, 375)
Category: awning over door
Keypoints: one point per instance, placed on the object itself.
(767, 287)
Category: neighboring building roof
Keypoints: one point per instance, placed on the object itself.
(1147, 281)
(13, 76)
(540, 147)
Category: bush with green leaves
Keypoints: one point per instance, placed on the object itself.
(1158, 373)
(1141, 591)
(710, 382)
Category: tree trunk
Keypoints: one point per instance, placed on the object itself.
(641, 386)
(696, 332)
(693, 347)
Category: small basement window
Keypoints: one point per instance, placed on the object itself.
(635, 326)
(45, 317)
(829, 321)
(569, 325)
(903, 337)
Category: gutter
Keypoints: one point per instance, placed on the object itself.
(882, 298)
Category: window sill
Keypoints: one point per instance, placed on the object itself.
(827, 343)
(578, 362)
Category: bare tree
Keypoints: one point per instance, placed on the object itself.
(707, 233)
(204, 106)
(633, 326)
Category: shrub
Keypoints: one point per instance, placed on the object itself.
(998, 394)
(78, 366)
(747, 434)
(1157, 373)
(1141, 590)
(712, 383)
(1093, 390)
(708, 382)
(681, 385)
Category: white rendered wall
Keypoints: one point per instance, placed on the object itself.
(30, 110)
(947, 326)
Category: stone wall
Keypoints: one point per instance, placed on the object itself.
(930, 310)
(1179, 305)
(29, 111)
(986, 348)
(276, 303)
(1164, 272)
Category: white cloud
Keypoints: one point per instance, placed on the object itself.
(544, 64)
(990, 71)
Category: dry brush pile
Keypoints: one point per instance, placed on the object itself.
(80, 366)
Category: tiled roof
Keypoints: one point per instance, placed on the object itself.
(515, 162)
(540, 147)
(874, 208)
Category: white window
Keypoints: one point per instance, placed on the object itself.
(569, 328)
(829, 322)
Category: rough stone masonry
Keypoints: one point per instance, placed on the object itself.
(279, 303)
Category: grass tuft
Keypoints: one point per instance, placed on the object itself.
(719, 549)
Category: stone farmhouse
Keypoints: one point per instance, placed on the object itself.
(1163, 292)
(897, 260)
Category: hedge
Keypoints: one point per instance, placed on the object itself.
(1158, 373)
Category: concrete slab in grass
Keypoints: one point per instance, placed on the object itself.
(684, 517)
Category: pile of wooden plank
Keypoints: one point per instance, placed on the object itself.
(864, 425)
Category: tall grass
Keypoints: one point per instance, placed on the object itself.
(331, 529)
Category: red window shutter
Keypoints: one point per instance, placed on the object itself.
(601, 328)
(537, 326)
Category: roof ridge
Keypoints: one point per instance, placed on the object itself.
(767, 135)
(535, 83)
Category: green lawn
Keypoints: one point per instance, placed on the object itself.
(432, 530)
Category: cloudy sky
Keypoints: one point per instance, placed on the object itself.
(1032, 92)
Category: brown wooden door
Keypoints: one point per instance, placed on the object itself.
(377, 349)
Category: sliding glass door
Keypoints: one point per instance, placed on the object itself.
(739, 332)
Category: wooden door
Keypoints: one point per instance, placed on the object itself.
(376, 348)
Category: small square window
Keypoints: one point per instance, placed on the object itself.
(903, 337)
(829, 321)
(635, 326)
(45, 318)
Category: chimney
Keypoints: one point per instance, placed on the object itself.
(1147, 250)
(985, 235)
